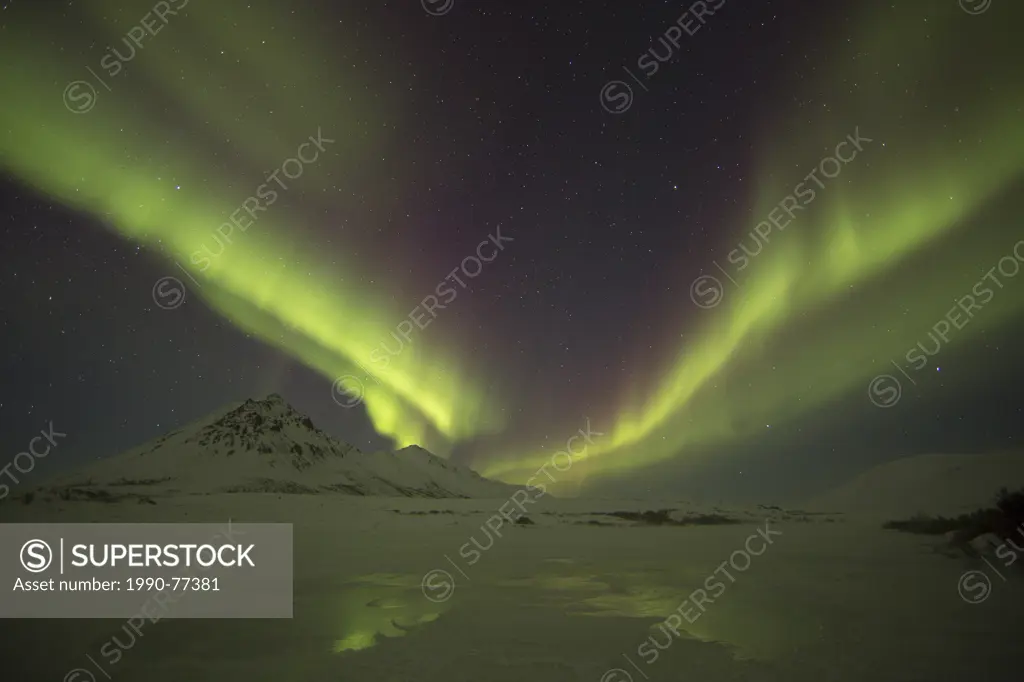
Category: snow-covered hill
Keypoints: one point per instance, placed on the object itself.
(927, 484)
(267, 446)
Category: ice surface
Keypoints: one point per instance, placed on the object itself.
(833, 598)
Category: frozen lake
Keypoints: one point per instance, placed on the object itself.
(563, 599)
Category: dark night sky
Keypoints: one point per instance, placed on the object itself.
(488, 116)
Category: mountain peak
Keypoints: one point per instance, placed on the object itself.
(271, 401)
(266, 446)
(273, 404)
(258, 416)
(415, 453)
(416, 449)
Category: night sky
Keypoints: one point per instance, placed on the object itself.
(546, 238)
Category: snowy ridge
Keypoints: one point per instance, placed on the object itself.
(947, 484)
(266, 446)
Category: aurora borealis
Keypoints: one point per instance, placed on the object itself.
(428, 134)
(329, 325)
(901, 200)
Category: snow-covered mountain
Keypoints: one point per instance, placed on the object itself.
(267, 446)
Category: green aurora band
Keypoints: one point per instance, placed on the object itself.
(123, 161)
(866, 270)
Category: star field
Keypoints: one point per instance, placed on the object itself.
(491, 118)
